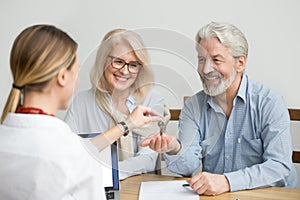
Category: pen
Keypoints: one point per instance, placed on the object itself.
(187, 186)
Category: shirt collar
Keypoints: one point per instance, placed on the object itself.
(33, 120)
(241, 94)
(130, 99)
(243, 87)
(130, 102)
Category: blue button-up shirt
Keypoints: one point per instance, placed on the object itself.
(252, 147)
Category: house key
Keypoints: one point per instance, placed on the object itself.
(161, 126)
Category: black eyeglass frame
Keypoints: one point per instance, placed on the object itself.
(138, 65)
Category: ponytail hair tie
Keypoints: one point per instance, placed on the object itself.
(21, 88)
(17, 87)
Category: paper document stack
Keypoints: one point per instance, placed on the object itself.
(160, 190)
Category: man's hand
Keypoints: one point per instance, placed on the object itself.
(209, 184)
(162, 143)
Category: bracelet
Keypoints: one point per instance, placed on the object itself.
(179, 144)
(125, 128)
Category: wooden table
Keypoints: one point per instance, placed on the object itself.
(130, 190)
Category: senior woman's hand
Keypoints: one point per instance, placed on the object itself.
(142, 115)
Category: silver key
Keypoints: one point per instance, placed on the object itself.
(161, 125)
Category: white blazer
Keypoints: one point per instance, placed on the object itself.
(41, 158)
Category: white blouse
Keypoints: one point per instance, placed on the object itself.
(41, 158)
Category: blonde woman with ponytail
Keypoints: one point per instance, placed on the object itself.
(41, 158)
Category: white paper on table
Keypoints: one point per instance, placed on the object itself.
(160, 190)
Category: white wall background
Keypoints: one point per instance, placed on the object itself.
(272, 28)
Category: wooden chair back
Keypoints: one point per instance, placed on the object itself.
(295, 116)
(175, 114)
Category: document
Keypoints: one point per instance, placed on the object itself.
(161, 190)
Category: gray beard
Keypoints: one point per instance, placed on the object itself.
(219, 89)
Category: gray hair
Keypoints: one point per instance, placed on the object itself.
(227, 34)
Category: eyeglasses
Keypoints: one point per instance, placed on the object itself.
(118, 63)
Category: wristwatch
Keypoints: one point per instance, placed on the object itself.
(125, 128)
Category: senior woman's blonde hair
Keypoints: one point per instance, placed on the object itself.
(37, 55)
(145, 78)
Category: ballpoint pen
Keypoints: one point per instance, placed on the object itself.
(187, 186)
